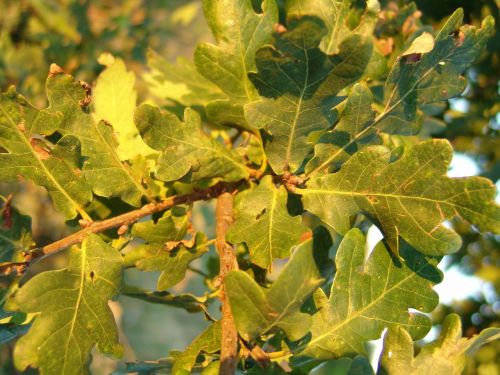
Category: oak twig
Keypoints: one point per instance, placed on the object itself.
(117, 221)
(227, 260)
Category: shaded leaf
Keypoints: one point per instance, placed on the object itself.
(257, 311)
(351, 133)
(358, 365)
(335, 15)
(186, 301)
(446, 355)
(74, 313)
(10, 331)
(172, 262)
(367, 297)
(239, 33)
(208, 342)
(298, 85)
(187, 152)
(15, 233)
(409, 198)
(114, 99)
(103, 169)
(262, 221)
(171, 227)
(434, 76)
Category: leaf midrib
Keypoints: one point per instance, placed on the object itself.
(75, 204)
(387, 110)
(365, 308)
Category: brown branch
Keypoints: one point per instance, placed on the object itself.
(117, 221)
(227, 260)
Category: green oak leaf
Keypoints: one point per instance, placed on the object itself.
(28, 154)
(446, 355)
(207, 342)
(264, 224)
(15, 234)
(187, 152)
(114, 99)
(180, 82)
(257, 311)
(74, 312)
(103, 170)
(298, 85)
(409, 198)
(351, 133)
(239, 33)
(171, 227)
(368, 296)
(172, 262)
(431, 75)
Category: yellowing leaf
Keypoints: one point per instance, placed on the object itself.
(74, 313)
(446, 355)
(180, 82)
(114, 99)
(103, 170)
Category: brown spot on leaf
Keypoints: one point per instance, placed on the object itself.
(7, 213)
(84, 103)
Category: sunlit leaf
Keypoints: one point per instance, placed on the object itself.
(208, 342)
(114, 99)
(74, 313)
(187, 152)
(180, 82)
(239, 33)
(264, 224)
(30, 155)
(409, 198)
(446, 355)
(368, 296)
(103, 169)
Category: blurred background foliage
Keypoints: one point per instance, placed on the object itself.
(73, 33)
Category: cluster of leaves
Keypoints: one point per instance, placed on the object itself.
(318, 114)
(74, 33)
